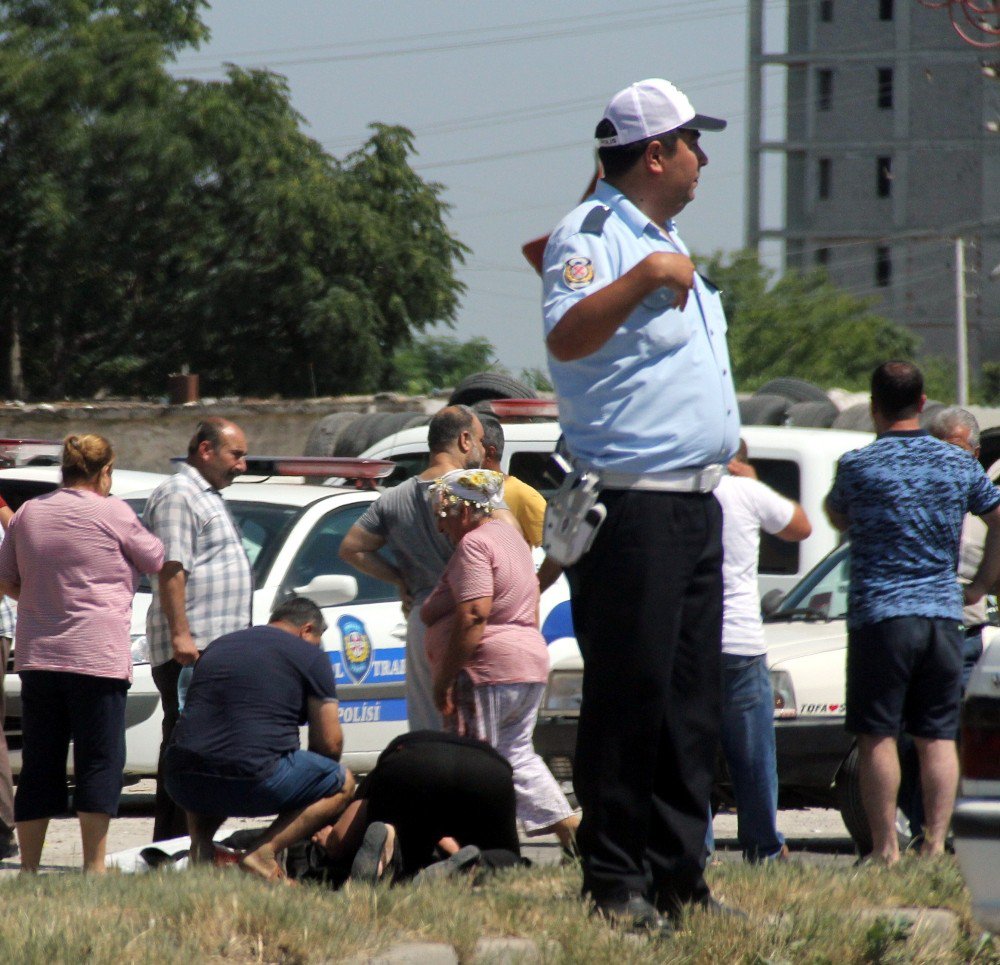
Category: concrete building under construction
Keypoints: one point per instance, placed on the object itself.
(889, 154)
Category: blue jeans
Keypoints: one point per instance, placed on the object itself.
(748, 743)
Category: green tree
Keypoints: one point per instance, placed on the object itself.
(801, 325)
(438, 362)
(148, 222)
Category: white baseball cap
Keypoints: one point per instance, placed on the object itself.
(651, 107)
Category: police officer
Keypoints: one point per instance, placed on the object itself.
(638, 357)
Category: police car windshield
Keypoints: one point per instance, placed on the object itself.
(264, 527)
(821, 594)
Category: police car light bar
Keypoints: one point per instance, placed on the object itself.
(319, 467)
(524, 408)
(24, 452)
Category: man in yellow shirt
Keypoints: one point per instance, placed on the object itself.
(527, 504)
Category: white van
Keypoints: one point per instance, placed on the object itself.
(797, 462)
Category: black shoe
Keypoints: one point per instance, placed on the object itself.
(636, 914)
(462, 860)
(8, 846)
(375, 856)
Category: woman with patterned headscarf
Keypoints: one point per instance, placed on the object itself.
(488, 660)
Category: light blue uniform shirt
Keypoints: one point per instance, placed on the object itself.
(658, 395)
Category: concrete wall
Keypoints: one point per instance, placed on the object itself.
(146, 436)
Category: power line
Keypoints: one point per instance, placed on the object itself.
(539, 30)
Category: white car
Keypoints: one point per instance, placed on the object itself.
(797, 462)
(976, 823)
(292, 534)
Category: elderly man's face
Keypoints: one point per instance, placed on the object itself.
(221, 466)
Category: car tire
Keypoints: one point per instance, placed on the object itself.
(818, 415)
(368, 429)
(323, 438)
(763, 410)
(848, 792)
(489, 385)
(795, 390)
(857, 417)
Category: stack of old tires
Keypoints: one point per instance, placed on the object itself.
(788, 401)
(351, 433)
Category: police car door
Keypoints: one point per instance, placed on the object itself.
(366, 641)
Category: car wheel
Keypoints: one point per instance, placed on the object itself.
(852, 810)
(489, 385)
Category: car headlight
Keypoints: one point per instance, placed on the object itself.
(140, 648)
(565, 690)
(784, 695)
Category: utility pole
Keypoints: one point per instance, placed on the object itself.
(961, 326)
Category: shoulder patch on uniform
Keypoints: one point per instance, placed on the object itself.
(593, 223)
(578, 272)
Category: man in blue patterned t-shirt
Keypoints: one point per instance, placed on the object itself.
(902, 500)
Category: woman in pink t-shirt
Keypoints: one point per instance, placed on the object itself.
(488, 660)
(72, 560)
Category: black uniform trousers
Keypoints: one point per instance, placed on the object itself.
(647, 608)
(169, 819)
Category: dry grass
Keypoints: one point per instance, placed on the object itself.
(799, 913)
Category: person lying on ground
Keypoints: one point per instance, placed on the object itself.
(235, 750)
(426, 788)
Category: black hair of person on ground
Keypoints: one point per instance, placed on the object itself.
(427, 786)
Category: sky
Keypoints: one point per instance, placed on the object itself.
(502, 99)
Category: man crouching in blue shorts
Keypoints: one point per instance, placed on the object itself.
(902, 500)
(235, 751)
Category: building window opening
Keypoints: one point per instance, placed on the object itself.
(825, 177)
(885, 88)
(824, 89)
(822, 257)
(885, 11)
(883, 267)
(883, 177)
(826, 11)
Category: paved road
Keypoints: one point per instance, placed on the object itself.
(814, 835)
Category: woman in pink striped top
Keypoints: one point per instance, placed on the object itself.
(72, 558)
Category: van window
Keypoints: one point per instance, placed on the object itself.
(407, 464)
(530, 468)
(776, 556)
(16, 492)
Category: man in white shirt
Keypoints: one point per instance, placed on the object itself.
(748, 506)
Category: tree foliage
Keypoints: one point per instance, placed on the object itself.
(801, 325)
(148, 223)
(439, 362)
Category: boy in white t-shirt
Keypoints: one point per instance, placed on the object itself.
(748, 506)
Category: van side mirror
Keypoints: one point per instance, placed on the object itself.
(770, 602)
(329, 589)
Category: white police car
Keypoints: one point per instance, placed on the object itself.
(292, 534)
